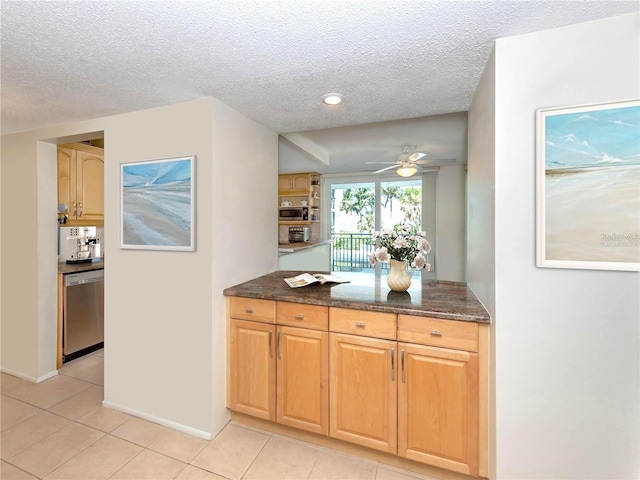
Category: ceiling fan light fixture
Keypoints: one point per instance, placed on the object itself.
(332, 99)
(406, 170)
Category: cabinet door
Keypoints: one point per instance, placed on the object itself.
(90, 186)
(302, 373)
(67, 179)
(301, 183)
(285, 184)
(253, 369)
(438, 407)
(363, 391)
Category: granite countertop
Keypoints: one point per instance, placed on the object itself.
(65, 268)
(369, 291)
(295, 247)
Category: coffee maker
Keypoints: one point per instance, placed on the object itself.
(79, 244)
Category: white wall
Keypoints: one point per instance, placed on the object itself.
(164, 311)
(450, 221)
(481, 255)
(567, 366)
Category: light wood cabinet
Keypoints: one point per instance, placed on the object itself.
(302, 379)
(407, 385)
(81, 183)
(298, 188)
(253, 369)
(438, 407)
(296, 183)
(279, 372)
(363, 391)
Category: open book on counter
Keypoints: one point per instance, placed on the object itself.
(305, 279)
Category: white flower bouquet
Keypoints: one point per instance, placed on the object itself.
(403, 245)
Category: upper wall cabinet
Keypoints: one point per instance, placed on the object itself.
(294, 184)
(81, 183)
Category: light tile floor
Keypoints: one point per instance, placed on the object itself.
(58, 429)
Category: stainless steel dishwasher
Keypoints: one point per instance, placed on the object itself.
(83, 314)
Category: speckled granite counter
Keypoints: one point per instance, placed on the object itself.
(448, 300)
(65, 268)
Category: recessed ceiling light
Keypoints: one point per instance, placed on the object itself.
(332, 99)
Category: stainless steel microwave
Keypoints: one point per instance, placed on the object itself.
(293, 214)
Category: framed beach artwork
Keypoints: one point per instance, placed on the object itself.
(157, 204)
(588, 187)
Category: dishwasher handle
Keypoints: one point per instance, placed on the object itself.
(73, 279)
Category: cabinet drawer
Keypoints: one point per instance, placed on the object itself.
(252, 309)
(439, 333)
(315, 317)
(362, 322)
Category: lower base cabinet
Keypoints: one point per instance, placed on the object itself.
(416, 396)
(438, 407)
(363, 391)
(302, 373)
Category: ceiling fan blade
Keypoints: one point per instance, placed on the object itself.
(436, 161)
(416, 156)
(385, 169)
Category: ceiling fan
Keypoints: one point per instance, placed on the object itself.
(408, 162)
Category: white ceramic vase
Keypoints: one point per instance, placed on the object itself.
(398, 278)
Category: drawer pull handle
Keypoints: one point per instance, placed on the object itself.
(402, 364)
(270, 348)
(299, 317)
(436, 333)
(248, 310)
(360, 324)
(278, 346)
(393, 365)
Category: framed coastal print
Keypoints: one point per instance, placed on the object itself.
(157, 204)
(588, 187)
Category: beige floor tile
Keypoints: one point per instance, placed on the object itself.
(29, 432)
(51, 391)
(282, 459)
(104, 419)
(16, 387)
(80, 404)
(178, 445)
(386, 472)
(100, 461)
(139, 431)
(15, 411)
(230, 454)
(194, 473)
(330, 466)
(150, 465)
(9, 472)
(48, 454)
(8, 381)
(89, 368)
(99, 353)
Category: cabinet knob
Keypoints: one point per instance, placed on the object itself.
(360, 324)
(436, 333)
(299, 317)
(248, 310)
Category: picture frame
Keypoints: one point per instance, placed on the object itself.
(588, 187)
(157, 204)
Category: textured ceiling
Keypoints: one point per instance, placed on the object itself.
(271, 60)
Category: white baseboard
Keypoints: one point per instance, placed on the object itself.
(29, 378)
(159, 420)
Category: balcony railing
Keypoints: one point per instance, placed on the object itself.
(350, 252)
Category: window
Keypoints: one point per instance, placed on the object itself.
(359, 206)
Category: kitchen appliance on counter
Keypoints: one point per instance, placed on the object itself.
(299, 234)
(293, 214)
(79, 244)
(82, 314)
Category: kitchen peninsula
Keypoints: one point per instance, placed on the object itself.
(401, 373)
